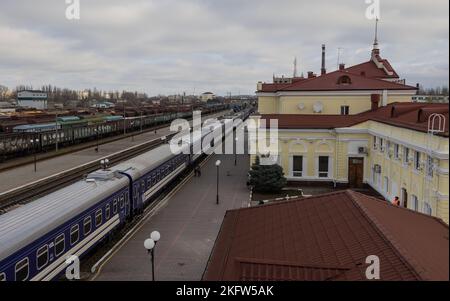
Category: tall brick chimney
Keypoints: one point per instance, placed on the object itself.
(341, 66)
(323, 70)
(375, 101)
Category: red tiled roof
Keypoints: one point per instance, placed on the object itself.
(371, 70)
(413, 116)
(329, 82)
(329, 237)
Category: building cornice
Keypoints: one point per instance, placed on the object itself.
(337, 93)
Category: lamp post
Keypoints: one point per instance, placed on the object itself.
(132, 130)
(235, 151)
(217, 196)
(96, 134)
(104, 163)
(57, 134)
(150, 244)
(33, 143)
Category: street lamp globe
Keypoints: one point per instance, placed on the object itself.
(218, 162)
(149, 244)
(155, 236)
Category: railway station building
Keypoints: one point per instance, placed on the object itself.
(358, 127)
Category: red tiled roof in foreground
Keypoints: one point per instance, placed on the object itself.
(413, 116)
(329, 237)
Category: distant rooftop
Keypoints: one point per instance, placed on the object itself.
(328, 237)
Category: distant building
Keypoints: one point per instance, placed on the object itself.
(32, 99)
(207, 96)
(103, 105)
(430, 98)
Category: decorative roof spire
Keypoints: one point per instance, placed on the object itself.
(376, 48)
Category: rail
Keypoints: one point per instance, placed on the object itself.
(31, 191)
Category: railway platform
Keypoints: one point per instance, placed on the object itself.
(189, 221)
(25, 174)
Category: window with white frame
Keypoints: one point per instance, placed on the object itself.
(405, 155)
(324, 167)
(386, 184)
(345, 110)
(416, 160)
(297, 166)
(375, 142)
(414, 203)
(429, 166)
(396, 151)
(381, 145)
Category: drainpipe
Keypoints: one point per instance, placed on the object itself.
(336, 158)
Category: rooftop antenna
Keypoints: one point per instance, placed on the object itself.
(376, 47)
(295, 67)
(339, 56)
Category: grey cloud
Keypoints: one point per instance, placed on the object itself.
(170, 46)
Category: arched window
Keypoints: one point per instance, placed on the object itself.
(344, 80)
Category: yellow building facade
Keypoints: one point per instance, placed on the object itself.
(394, 161)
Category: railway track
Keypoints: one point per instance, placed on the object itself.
(29, 192)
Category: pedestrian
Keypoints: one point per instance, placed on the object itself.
(396, 201)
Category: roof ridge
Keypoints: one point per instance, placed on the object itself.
(287, 201)
(387, 236)
(294, 264)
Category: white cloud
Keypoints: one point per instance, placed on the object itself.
(170, 46)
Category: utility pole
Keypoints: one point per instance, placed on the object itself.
(57, 133)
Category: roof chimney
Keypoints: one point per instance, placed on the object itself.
(323, 70)
(311, 74)
(341, 66)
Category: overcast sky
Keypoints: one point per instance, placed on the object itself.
(171, 46)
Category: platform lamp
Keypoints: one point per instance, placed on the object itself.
(33, 143)
(104, 163)
(150, 245)
(218, 162)
(235, 150)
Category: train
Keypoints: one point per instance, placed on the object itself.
(36, 139)
(37, 238)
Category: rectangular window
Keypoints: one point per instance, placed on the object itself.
(323, 167)
(115, 206)
(87, 225)
(59, 245)
(375, 143)
(405, 155)
(2, 277)
(386, 184)
(427, 208)
(98, 218)
(122, 201)
(74, 234)
(396, 151)
(381, 145)
(417, 160)
(22, 270)
(42, 257)
(107, 212)
(345, 110)
(297, 166)
(429, 166)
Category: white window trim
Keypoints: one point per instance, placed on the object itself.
(37, 255)
(330, 166)
(77, 227)
(28, 268)
(63, 241)
(291, 165)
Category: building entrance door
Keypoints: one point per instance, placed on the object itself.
(355, 172)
